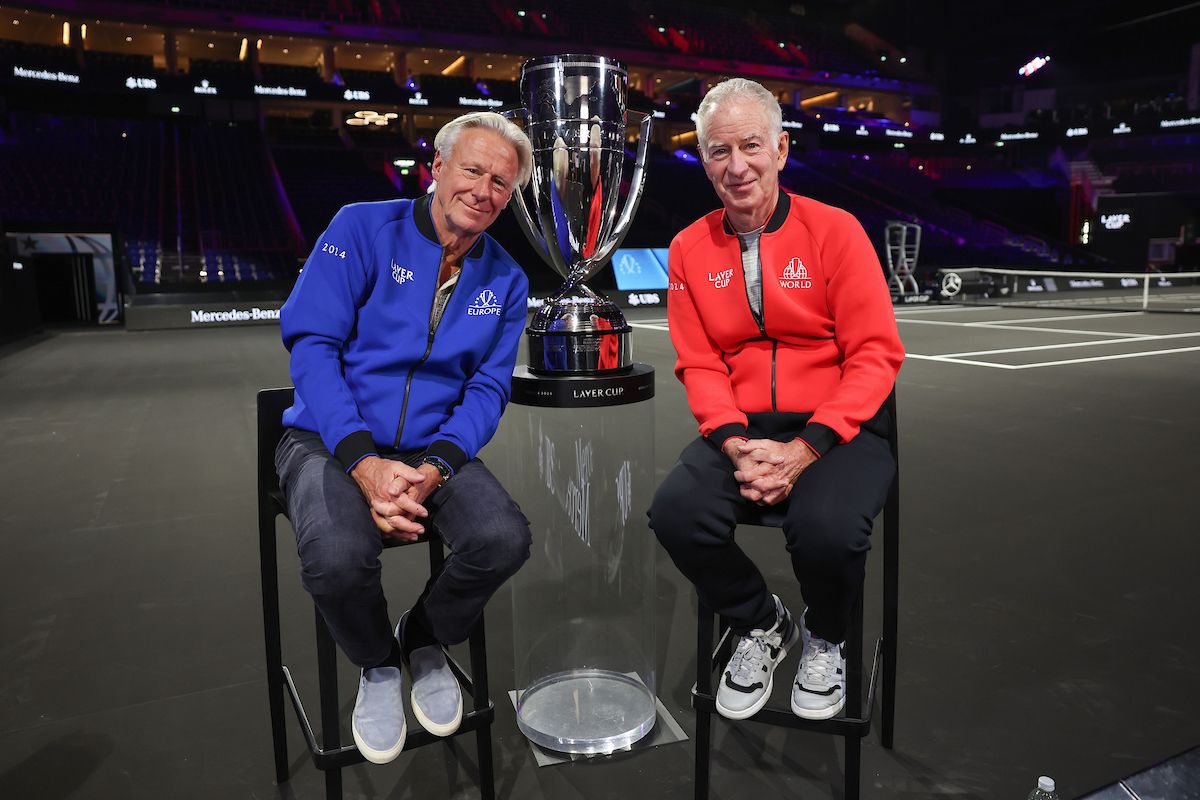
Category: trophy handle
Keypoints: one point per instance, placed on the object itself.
(521, 210)
(636, 184)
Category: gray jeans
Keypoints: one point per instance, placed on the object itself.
(339, 546)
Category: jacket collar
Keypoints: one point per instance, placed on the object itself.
(782, 206)
(423, 216)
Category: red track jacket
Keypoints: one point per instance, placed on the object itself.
(828, 343)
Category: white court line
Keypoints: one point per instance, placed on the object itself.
(1142, 337)
(1053, 346)
(1108, 358)
(649, 327)
(1068, 316)
(937, 309)
(946, 360)
(988, 325)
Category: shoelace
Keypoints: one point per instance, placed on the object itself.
(746, 661)
(821, 669)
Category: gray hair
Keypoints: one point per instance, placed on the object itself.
(448, 135)
(736, 89)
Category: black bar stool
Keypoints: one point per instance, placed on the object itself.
(855, 722)
(330, 755)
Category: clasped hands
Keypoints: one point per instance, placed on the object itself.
(766, 469)
(395, 493)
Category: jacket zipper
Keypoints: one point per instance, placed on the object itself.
(428, 348)
(760, 318)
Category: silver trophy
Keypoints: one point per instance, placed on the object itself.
(574, 114)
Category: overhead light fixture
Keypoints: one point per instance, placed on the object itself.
(455, 64)
(244, 49)
(370, 118)
(67, 34)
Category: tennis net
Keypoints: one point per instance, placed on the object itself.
(1114, 291)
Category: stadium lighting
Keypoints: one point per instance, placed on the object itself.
(83, 32)
(1033, 66)
(244, 49)
(67, 34)
(174, 109)
(903, 59)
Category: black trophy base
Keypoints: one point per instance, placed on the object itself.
(633, 385)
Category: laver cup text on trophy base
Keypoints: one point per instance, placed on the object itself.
(575, 116)
(577, 439)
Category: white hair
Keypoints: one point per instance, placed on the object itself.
(443, 143)
(737, 89)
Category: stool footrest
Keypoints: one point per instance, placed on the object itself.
(348, 755)
(706, 702)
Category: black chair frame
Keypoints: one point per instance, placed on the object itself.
(330, 755)
(856, 720)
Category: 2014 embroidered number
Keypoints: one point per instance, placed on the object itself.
(333, 249)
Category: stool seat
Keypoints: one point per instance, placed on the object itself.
(329, 754)
(855, 723)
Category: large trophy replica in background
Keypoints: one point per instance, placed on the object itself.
(578, 436)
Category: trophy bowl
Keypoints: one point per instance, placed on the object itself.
(575, 116)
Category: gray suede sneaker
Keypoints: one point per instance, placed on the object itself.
(378, 722)
(436, 697)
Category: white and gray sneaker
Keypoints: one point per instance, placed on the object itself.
(747, 680)
(819, 691)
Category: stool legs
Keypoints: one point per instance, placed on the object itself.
(331, 732)
(480, 698)
(704, 648)
(270, 597)
(854, 668)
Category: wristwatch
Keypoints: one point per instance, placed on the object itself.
(441, 466)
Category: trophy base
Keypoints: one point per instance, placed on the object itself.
(580, 352)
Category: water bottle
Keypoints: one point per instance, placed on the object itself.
(1044, 790)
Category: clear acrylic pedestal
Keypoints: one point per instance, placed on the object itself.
(580, 462)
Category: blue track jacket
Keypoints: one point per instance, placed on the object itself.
(371, 375)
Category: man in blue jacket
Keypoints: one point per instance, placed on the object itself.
(403, 330)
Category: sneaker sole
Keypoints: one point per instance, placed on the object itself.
(379, 756)
(762, 701)
(818, 713)
(433, 727)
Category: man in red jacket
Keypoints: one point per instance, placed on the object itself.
(787, 347)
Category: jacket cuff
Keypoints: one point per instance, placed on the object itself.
(448, 452)
(819, 438)
(354, 448)
(726, 432)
